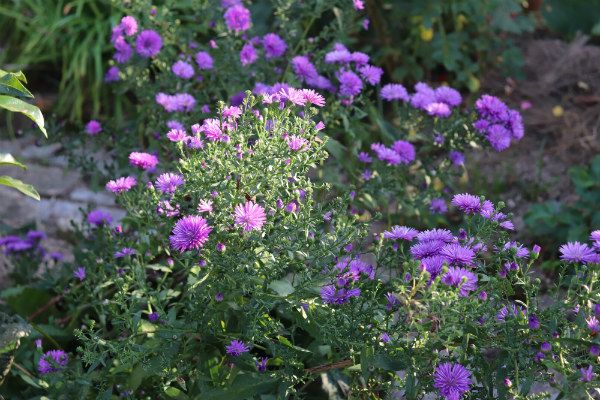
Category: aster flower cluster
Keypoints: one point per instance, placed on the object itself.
(498, 123)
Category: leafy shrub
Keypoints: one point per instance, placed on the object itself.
(32, 29)
(234, 275)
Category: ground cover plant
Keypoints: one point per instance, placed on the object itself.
(294, 228)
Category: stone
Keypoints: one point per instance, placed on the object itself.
(48, 181)
(85, 195)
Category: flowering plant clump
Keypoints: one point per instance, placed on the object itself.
(219, 270)
(234, 274)
(190, 67)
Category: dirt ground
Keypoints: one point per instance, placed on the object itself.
(560, 102)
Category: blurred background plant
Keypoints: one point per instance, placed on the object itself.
(61, 44)
(451, 41)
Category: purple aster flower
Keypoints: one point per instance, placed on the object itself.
(595, 350)
(443, 235)
(468, 203)
(303, 68)
(121, 185)
(433, 265)
(405, 150)
(576, 252)
(183, 70)
(371, 74)
(587, 374)
(296, 142)
(358, 5)
(441, 110)
(179, 102)
(458, 254)
(338, 56)
(176, 135)
(237, 18)
(124, 51)
(401, 232)
(426, 249)
(385, 154)
(359, 58)
(392, 301)
(204, 60)
(219, 297)
(595, 237)
(129, 25)
(593, 324)
(384, 337)
(350, 84)
(364, 157)
(423, 96)
(98, 217)
(261, 365)
(193, 142)
(274, 45)
(93, 128)
(331, 295)
(447, 95)
(457, 158)
(236, 348)
(190, 233)
(312, 97)
(250, 216)
(153, 316)
(546, 347)
(248, 54)
(79, 273)
(499, 137)
(52, 361)
(211, 127)
(452, 380)
(461, 278)
(533, 322)
(538, 357)
(394, 91)
(205, 206)
(438, 206)
(148, 43)
(169, 182)
(112, 74)
(491, 107)
(124, 252)
(144, 161)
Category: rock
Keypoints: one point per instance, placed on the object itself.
(48, 181)
(33, 152)
(85, 195)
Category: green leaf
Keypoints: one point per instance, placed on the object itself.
(20, 186)
(12, 86)
(31, 111)
(282, 287)
(8, 159)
